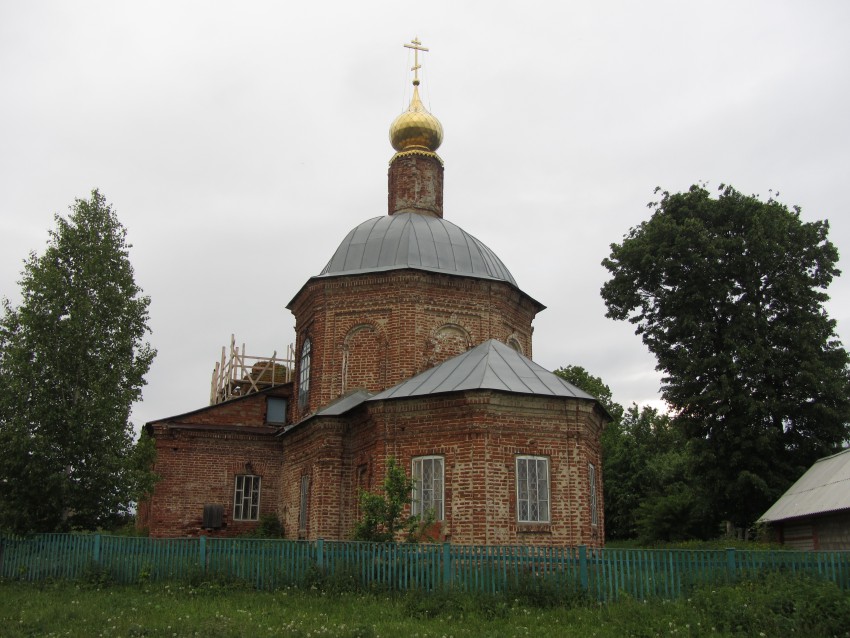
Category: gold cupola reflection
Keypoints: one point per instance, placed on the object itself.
(416, 129)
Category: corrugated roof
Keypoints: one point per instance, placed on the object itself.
(489, 366)
(824, 487)
(412, 240)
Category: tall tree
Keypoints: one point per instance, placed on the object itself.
(72, 362)
(728, 294)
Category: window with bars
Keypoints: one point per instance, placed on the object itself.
(246, 498)
(304, 374)
(427, 473)
(594, 511)
(302, 509)
(532, 489)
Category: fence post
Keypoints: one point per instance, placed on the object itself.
(320, 553)
(96, 550)
(582, 566)
(202, 552)
(447, 565)
(730, 562)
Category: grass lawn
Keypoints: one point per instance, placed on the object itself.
(779, 607)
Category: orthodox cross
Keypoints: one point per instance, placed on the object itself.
(416, 45)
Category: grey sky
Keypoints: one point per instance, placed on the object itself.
(240, 141)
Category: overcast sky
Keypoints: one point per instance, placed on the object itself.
(240, 141)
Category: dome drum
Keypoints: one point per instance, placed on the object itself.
(416, 184)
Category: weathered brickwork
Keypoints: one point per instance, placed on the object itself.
(415, 185)
(479, 436)
(400, 323)
(199, 455)
(199, 467)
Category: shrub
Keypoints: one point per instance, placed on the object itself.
(776, 603)
(268, 527)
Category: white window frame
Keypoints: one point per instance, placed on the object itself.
(529, 482)
(594, 508)
(246, 497)
(304, 373)
(431, 497)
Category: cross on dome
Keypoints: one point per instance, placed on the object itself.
(416, 45)
(416, 130)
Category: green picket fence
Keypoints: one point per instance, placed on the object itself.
(606, 574)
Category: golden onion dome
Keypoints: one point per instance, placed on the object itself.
(416, 129)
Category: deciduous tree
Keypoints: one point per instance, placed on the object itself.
(728, 294)
(382, 513)
(72, 362)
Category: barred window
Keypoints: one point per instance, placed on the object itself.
(591, 476)
(304, 374)
(427, 475)
(532, 489)
(246, 498)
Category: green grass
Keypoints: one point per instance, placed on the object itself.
(773, 605)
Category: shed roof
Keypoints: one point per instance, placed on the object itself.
(488, 366)
(825, 487)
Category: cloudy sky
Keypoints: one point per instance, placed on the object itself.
(240, 141)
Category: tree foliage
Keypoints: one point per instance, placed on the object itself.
(728, 294)
(383, 512)
(72, 362)
(645, 468)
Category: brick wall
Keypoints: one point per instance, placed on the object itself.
(378, 329)
(199, 467)
(479, 435)
(415, 184)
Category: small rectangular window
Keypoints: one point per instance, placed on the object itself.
(302, 510)
(594, 511)
(532, 489)
(246, 498)
(427, 486)
(276, 410)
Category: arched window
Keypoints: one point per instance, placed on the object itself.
(304, 375)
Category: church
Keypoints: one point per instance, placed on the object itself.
(413, 343)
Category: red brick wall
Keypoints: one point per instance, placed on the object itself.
(200, 467)
(247, 411)
(402, 323)
(479, 435)
(415, 184)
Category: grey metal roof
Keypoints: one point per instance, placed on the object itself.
(824, 487)
(344, 403)
(412, 240)
(489, 366)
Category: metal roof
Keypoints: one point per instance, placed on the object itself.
(489, 366)
(824, 487)
(413, 240)
(344, 403)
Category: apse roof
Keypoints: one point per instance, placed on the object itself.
(413, 240)
(489, 366)
(825, 487)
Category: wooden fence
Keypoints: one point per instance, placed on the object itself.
(605, 574)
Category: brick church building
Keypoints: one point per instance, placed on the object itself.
(414, 342)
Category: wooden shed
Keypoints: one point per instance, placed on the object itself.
(815, 512)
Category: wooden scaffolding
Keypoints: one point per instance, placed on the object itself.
(238, 374)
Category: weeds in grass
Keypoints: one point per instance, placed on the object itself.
(775, 604)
